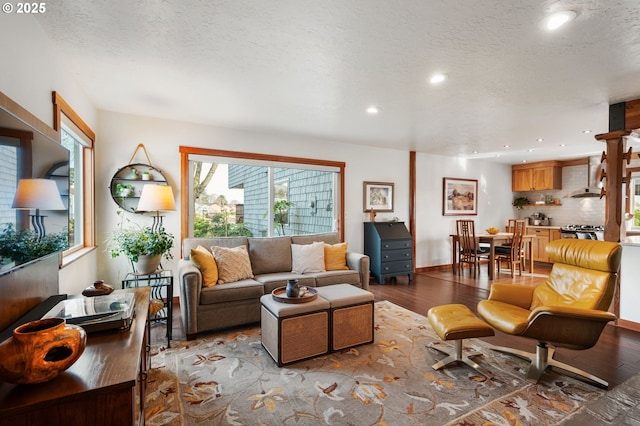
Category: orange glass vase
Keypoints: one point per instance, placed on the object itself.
(40, 350)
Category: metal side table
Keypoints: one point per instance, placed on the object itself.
(161, 283)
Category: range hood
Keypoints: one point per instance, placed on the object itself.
(592, 189)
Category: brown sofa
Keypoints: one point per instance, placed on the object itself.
(238, 303)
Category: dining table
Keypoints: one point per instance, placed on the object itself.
(493, 240)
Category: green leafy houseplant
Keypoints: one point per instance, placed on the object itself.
(134, 242)
(520, 202)
(24, 245)
(124, 190)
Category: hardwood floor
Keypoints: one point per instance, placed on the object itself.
(615, 358)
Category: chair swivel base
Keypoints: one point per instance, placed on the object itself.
(543, 358)
(458, 356)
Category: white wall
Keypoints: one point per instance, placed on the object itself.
(433, 244)
(31, 70)
(120, 134)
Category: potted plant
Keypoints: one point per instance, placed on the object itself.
(23, 245)
(143, 246)
(124, 190)
(146, 175)
(520, 202)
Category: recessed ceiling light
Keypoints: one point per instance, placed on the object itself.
(586, 132)
(539, 140)
(437, 78)
(524, 161)
(529, 150)
(475, 152)
(558, 19)
(373, 110)
(563, 145)
(507, 146)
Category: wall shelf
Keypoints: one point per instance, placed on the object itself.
(124, 177)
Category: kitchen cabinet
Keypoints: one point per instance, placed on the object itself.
(539, 244)
(389, 247)
(541, 176)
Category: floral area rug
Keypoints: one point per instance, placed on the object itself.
(229, 379)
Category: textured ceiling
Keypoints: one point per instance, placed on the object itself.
(311, 68)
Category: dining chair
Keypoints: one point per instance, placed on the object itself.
(470, 251)
(514, 253)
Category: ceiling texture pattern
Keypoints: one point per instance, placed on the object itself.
(311, 68)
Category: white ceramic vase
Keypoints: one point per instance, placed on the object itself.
(147, 264)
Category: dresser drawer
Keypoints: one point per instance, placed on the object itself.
(402, 267)
(392, 255)
(395, 244)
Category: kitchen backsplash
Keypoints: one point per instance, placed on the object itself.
(577, 211)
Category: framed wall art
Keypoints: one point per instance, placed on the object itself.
(459, 196)
(378, 196)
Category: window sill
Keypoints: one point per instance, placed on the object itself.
(72, 257)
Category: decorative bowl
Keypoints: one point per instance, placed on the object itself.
(492, 230)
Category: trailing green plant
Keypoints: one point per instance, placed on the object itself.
(124, 188)
(520, 202)
(23, 245)
(140, 240)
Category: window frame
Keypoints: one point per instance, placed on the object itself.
(61, 107)
(185, 178)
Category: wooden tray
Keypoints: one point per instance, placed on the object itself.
(280, 295)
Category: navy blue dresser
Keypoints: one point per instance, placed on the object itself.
(388, 245)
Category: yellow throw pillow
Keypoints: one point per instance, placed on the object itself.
(203, 260)
(233, 263)
(335, 257)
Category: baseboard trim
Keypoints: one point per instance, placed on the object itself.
(629, 325)
(434, 268)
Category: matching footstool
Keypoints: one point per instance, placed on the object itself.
(456, 322)
(292, 332)
(351, 316)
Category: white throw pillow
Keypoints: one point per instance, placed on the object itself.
(307, 258)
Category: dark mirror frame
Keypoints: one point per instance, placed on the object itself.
(39, 150)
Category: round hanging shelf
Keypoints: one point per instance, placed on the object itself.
(127, 182)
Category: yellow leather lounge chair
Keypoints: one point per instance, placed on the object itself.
(569, 310)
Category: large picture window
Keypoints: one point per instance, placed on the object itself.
(244, 194)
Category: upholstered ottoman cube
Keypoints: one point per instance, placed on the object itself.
(351, 319)
(294, 331)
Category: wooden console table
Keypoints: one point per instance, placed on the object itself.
(104, 387)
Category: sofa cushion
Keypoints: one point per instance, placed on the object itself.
(327, 237)
(235, 291)
(191, 243)
(307, 258)
(336, 277)
(203, 259)
(233, 263)
(270, 254)
(279, 279)
(335, 257)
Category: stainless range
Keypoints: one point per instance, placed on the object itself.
(583, 232)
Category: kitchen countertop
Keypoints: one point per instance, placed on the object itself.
(542, 227)
(631, 240)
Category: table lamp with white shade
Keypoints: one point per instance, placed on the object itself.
(38, 194)
(156, 198)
